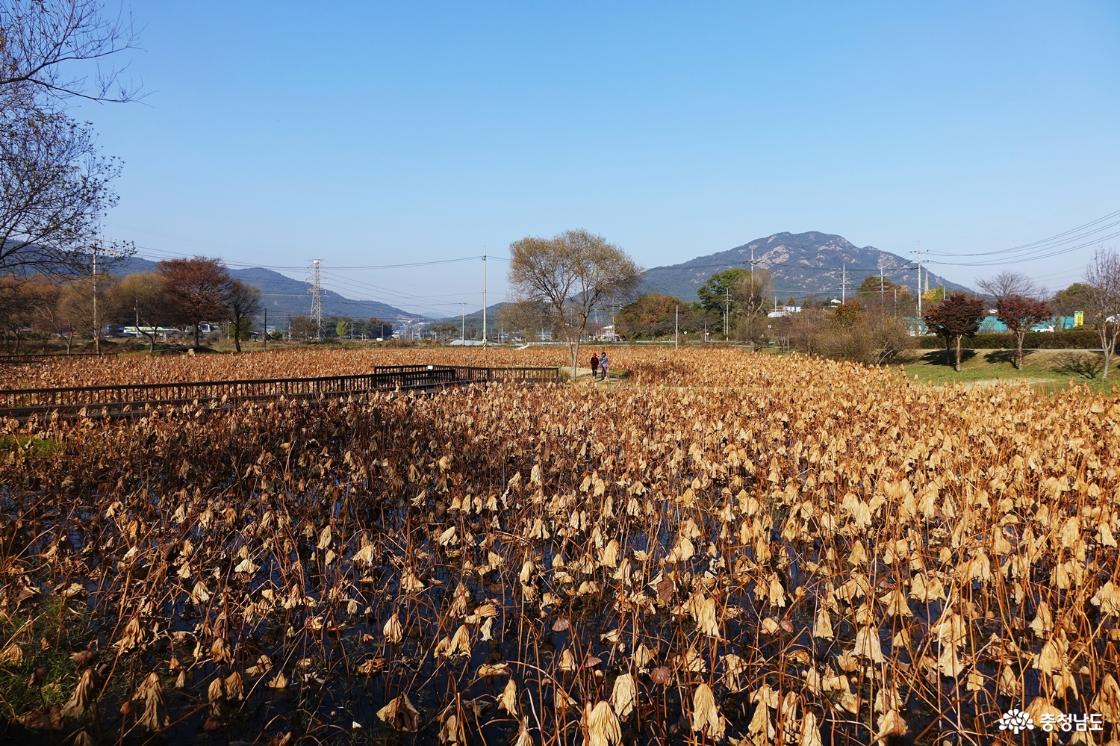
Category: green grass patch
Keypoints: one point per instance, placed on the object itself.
(45, 675)
(1048, 370)
(36, 446)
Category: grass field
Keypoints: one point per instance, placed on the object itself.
(1048, 370)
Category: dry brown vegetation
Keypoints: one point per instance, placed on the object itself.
(143, 368)
(727, 547)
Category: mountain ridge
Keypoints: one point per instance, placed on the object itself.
(286, 297)
(807, 264)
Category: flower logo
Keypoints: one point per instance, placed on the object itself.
(1016, 721)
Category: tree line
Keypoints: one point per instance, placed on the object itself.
(561, 281)
(1019, 306)
(338, 327)
(181, 293)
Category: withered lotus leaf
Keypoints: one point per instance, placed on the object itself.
(748, 547)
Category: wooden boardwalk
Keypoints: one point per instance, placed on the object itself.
(121, 399)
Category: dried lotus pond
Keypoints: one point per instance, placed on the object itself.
(722, 547)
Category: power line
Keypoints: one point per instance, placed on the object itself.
(159, 254)
(1111, 220)
(358, 285)
(1025, 258)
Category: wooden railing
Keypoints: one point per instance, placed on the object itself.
(21, 403)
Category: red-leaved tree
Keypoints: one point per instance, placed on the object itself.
(954, 318)
(1020, 314)
(197, 290)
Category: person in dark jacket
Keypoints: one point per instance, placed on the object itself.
(594, 365)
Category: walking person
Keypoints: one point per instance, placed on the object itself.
(594, 366)
(604, 361)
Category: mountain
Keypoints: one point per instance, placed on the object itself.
(473, 321)
(284, 296)
(801, 265)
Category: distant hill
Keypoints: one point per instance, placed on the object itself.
(284, 296)
(801, 264)
(474, 321)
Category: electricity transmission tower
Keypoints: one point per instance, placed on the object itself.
(316, 300)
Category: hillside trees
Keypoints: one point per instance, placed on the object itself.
(572, 274)
(954, 318)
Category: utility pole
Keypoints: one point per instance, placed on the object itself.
(882, 284)
(463, 333)
(676, 325)
(266, 327)
(919, 253)
(844, 283)
(96, 322)
(726, 310)
(316, 300)
(483, 300)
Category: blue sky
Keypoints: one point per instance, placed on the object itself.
(367, 133)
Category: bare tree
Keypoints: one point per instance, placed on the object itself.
(54, 190)
(142, 297)
(1009, 283)
(51, 47)
(1103, 278)
(244, 303)
(749, 291)
(77, 308)
(23, 301)
(530, 318)
(573, 273)
(54, 184)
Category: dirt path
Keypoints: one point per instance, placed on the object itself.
(583, 375)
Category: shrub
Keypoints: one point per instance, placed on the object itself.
(1075, 339)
